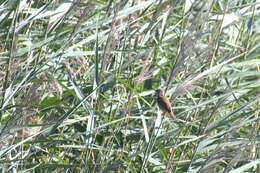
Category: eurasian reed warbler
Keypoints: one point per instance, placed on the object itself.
(164, 104)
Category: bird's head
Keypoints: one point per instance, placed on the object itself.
(159, 92)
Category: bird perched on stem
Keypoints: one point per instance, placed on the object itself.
(164, 104)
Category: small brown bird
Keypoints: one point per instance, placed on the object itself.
(164, 104)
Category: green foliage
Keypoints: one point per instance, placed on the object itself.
(78, 81)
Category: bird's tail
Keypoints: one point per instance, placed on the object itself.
(172, 115)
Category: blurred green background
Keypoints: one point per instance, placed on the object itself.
(78, 80)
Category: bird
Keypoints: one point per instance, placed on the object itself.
(164, 104)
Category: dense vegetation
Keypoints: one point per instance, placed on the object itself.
(78, 80)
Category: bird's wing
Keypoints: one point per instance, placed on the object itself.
(165, 104)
